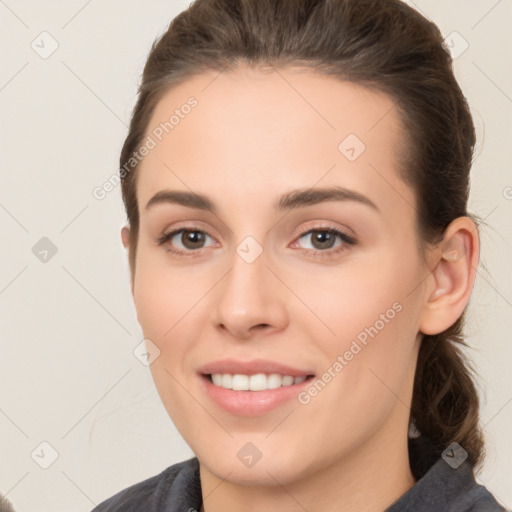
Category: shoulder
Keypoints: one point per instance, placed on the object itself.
(443, 484)
(479, 499)
(446, 489)
(176, 487)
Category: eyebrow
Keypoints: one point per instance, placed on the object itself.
(291, 200)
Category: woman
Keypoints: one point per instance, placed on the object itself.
(296, 177)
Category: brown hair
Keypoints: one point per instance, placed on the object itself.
(384, 45)
(5, 505)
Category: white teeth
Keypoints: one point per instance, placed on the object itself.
(240, 382)
(274, 380)
(217, 379)
(287, 380)
(258, 382)
(226, 381)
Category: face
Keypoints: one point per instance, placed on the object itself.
(301, 260)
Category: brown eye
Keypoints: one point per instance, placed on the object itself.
(183, 241)
(323, 239)
(192, 239)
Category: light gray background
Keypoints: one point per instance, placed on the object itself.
(68, 326)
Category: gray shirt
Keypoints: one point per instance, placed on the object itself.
(439, 488)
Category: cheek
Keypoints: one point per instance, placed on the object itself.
(156, 308)
(164, 299)
(172, 311)
(164, 296)
(372, 319)
(367, 373)
(348, 300)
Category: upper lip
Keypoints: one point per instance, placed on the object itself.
(252, 367)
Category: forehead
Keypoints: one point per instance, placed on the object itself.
(273, 128)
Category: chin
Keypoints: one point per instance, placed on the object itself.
(264, 473)
(242, 463)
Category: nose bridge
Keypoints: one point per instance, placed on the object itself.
(244, 292)
(249, 295)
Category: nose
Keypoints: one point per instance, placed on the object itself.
(250, 299)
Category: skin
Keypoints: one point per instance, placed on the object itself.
(252, 138)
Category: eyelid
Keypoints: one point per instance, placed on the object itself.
(190, 225)
(167, 235)
(326, 226)
(347, 242)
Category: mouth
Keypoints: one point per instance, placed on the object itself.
(255, 392)
(256, 382)
(252, 387)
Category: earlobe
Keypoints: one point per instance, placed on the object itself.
(451, 280)
(125, 236)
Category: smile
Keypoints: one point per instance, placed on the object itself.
(258, 382)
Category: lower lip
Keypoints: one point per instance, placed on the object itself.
(251, 403)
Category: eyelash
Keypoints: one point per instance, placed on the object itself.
(347, 240)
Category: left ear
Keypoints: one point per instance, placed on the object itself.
(126, 240)
(449, 285)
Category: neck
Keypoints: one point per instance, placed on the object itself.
(370, 479)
